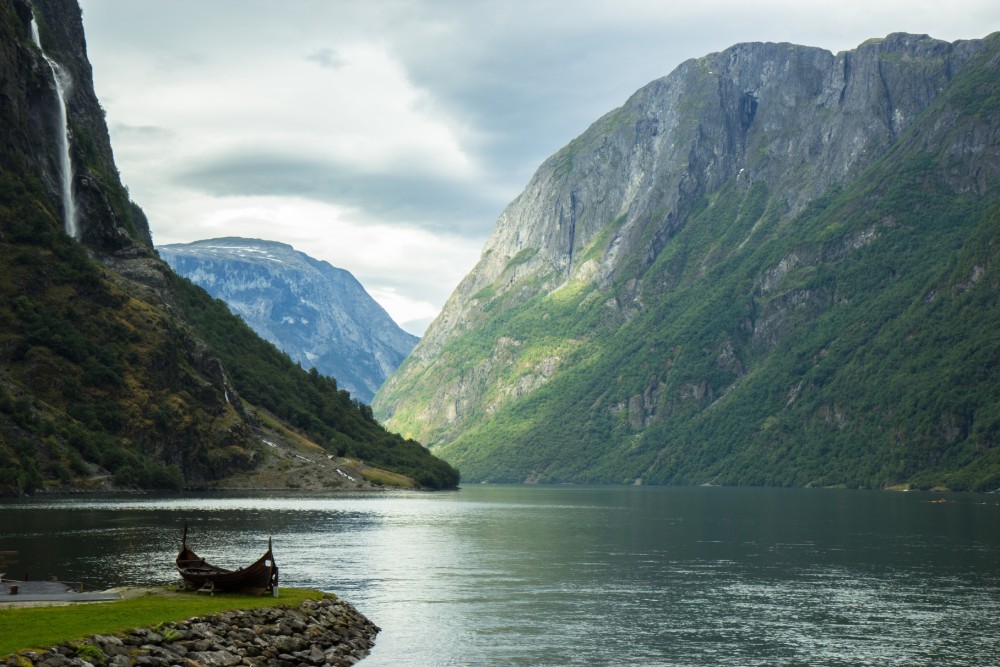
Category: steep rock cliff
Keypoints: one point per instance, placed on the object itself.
(112, 227)
(796, 118)
(636, 303)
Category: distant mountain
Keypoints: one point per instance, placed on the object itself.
(320, 315)
(115, 372)
(776, 265)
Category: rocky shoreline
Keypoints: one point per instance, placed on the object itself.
(328, 631)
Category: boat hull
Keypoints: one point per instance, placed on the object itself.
(258, 578)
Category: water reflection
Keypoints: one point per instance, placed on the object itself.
(574, 576)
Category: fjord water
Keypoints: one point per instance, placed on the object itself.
(583, 576)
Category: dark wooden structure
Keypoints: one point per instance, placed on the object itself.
(258, 578)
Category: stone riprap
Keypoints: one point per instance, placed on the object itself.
(318, 632)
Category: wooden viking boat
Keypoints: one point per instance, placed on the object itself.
(258, 578)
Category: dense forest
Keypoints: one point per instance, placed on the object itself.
(308, 401)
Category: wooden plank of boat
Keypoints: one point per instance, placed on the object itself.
(259, 577)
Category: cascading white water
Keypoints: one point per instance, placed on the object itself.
(63, 82)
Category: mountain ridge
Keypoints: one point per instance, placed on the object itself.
(317, 313)
(633, 312)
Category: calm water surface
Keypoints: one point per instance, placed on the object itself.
(583, 576)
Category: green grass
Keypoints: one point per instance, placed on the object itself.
(39, 627)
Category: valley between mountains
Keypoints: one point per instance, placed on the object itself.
(776, 265)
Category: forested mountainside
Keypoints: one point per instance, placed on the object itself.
(317, 313)
(776, 265)
(114, 372)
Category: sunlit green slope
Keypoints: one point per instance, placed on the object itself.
(744, 334)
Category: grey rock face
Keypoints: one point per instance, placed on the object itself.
(790, 121)
(319, 315)
(797, 118)
(107, 224)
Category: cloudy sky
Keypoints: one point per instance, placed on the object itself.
(386, 136)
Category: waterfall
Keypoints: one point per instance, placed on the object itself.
(63, 82)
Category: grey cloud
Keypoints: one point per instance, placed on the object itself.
(328, 58)
(529, 82)
(406, 196)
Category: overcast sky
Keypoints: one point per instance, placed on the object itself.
(386, 136)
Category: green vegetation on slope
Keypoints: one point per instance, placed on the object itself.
(84, 390)
(94, 376)
(308, 401)
(853, 343)
(73, 350)
(102, 382)
(879, 372)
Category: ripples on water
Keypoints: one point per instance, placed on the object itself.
(584, 576)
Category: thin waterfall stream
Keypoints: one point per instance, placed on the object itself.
(63, 83)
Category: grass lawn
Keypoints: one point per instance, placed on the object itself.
(39, 627)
